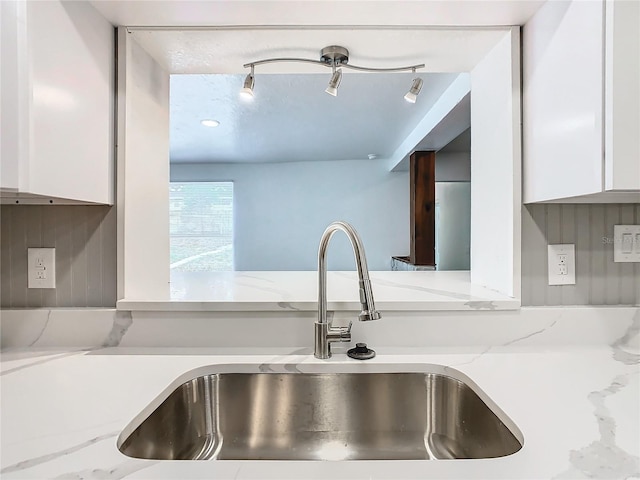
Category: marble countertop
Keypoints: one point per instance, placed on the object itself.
(577, 408)
(279, 291)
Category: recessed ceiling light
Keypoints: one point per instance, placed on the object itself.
(210, 123)
(372, 156)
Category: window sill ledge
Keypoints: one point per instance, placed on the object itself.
(297, 291)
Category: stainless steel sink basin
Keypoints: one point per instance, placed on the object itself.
(429, 412)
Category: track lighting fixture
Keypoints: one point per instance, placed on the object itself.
(247, 88)
(334, 56)
(412, 94)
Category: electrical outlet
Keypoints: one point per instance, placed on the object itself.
(626, 243)
(41, 265)
(561, 264)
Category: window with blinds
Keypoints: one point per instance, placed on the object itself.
(201, 226)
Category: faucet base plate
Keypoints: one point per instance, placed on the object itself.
(361, 352)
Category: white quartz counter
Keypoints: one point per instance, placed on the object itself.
(577, 408)
(281, 291)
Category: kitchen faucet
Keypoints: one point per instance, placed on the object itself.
(325, 332)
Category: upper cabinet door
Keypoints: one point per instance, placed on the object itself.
(72, 79)
(622, 95)
(63, 113)
(562, 101)
(13, 97)
(581, 103)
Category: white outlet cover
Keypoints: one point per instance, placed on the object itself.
(628, 251)
(41, 267)
(568, 251)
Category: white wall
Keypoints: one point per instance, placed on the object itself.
(453, 166)
(143, 173)
(495, 168)
(453, 225)
(453, 161)
(281, 210)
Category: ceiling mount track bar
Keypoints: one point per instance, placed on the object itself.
(282, 60)
(409, 68)
(337, 56)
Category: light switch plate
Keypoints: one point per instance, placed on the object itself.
(626, 243)
(41, 267)
(562, 264)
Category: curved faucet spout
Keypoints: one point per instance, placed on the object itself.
(325, 333)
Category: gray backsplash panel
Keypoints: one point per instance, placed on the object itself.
(85, 241)
(599, 280)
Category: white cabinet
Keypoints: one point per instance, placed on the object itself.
(581, 102)
(58, 77)
(12, 72)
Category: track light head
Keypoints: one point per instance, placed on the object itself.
(414, 91)
(334, 83)
(247, 87)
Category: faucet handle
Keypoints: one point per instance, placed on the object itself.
(339, 334)
(366, 315)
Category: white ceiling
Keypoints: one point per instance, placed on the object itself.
(317, 12)
(291, 118)
(226, 51)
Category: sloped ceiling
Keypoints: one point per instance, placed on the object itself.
(291, 118)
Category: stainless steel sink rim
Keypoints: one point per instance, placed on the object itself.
(321, 370)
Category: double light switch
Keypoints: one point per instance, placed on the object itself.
(626, 243)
